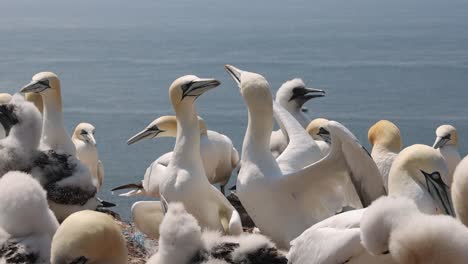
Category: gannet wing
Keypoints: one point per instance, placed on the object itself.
(326, 246)
(301, 149)
(100, 172)
(147, 216)
(230, 218)
(363, 171)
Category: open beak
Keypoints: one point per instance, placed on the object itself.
(35, 87)
(199, 86)
(149, 132)
(234, 72)
(325, 135)
(305, 94)
(137, 189)
(440, 192)
(440, 142)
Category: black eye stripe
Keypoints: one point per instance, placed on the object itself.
(83, 132)
(447, 137)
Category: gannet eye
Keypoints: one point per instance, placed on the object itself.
(435, 176)
(83, 132)
(447, 137)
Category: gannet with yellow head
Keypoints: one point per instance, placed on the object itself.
(54, 135)
(88, 237)
(317, 129)
(86, 151)
(184, 179)
(417, 173)
(447, 143)
(385, 138)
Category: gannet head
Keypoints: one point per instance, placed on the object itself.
(164, 126)
(318, 130)
(23, 206)
(46, 84)
(85, 132)
(5, 98)
(36, 99)
(253, 87)
(386, 134)
(293, 94)
(424, 166)
(445, 135)
(22, 119)
(91, 236)
(189, 87)
(380, 218)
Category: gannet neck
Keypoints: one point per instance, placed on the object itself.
(257, 137)
(187, 146)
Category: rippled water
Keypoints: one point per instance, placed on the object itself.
(406, 61)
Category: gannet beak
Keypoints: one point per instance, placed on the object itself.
(90, 139)
(36, 86)
(234, 72)
(305, 94)
(149, 132)
(137, 189)
(199, 86)
(439, 191)
(325, 134)
(440, 142)
(105, 204)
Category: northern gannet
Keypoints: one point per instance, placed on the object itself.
(26, 223)
(460, 191)
(218, 154)
(417, 173)
(446, 142)
(385, 138)
(292, 95)
(89, 237)
(184, 179)
(183, 241)
(412, 237)
(299, 199)
(317, 130)
(54, 136)
(68, 183)
(86, 151)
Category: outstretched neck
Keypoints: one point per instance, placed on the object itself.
(187, 146)
(257, 138)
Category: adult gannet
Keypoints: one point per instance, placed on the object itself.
(417, 173)
(182, 241)
(88, 237)
(86, 151)
(36, 99)
(146, 216)
(4, 98)
(460, 191)
(385, 138)
(218, 154)
(299, 199)
(26, 223)
(446, 142)
(317, 129)
(412, 237)
(67, 182)
(54, 136)
(292, 95)
(184, 179)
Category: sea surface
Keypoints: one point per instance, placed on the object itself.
(402, 60)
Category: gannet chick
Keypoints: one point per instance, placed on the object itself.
(417, 173)
(26, 223)
(292, 95)
(86, 151)
(447, 143)
(460, 191)
(36, 99)
(182, 241)
(54, 136)
(347, 176)
(184, 179)
(385, 138)
(412, 237)
(317, 129)
(218, 154)
(88, 237)
(4, 99)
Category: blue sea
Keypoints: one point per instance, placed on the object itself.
(402, 60)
